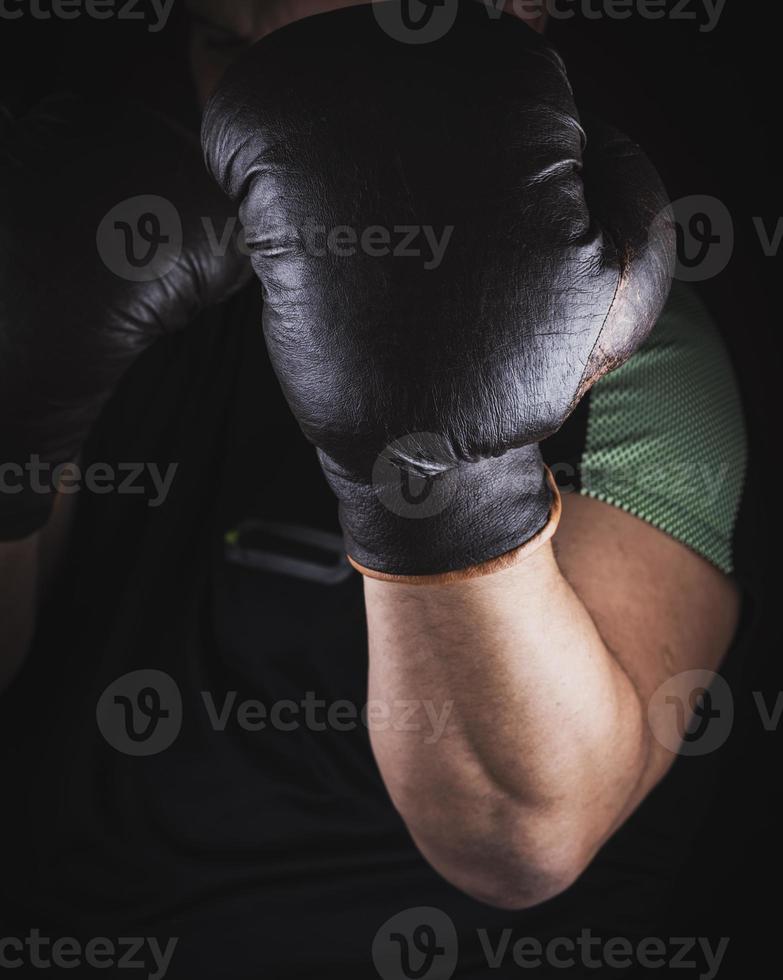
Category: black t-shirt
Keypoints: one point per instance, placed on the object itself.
(260, 836)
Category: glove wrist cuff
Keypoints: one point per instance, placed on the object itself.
(405, 523)
(489, 567)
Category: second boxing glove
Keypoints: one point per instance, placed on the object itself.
(111, 235)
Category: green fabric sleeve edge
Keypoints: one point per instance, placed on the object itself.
(720, 547)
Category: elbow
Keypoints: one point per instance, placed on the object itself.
(518, 898)
(500, 850)
(516, 884)
(509, 870)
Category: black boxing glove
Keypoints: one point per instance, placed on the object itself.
(79, 301)
(424, 377)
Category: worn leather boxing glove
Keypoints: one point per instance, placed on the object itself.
(426, 376)
(111, 234)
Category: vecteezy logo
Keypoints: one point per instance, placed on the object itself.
(705, 237)
(416, 21)
(699, 232)
(416, 944)
(140, 713)
(702, 713)
(149, 231)
(426, 9)
(140, 239)
(692, 713)
(415, 476)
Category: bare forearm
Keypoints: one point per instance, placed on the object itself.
(544, 741)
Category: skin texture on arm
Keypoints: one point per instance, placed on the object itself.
(547, 668)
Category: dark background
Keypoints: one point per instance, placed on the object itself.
(706, 106)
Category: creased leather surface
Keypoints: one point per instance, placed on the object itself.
(69, 325)
(550, 277)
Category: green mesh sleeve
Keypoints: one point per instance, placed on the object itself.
(665, 434)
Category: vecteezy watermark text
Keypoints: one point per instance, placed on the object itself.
(155, 13)
(40, 477)
(422, 21)
(705, 12)
(141, 713)
(39, 952)
(376, 241)
(422, 943)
